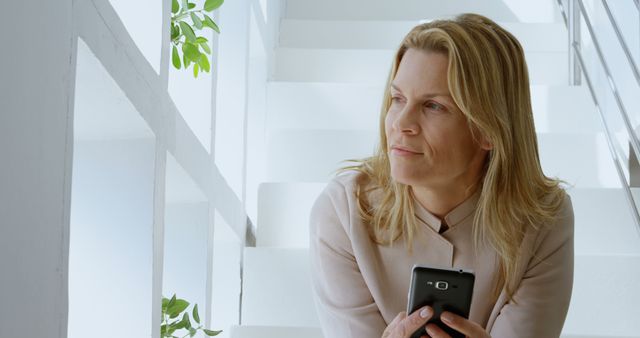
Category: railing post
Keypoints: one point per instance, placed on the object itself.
(634, 165)
(574, 39)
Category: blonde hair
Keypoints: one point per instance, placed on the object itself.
(488, 80)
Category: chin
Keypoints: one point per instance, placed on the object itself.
(405, 176)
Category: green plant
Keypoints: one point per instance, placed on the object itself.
(175, 316)
(195, 49)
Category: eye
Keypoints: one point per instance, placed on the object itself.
(396, 100)
(435, 106)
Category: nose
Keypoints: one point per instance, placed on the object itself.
(406, 120)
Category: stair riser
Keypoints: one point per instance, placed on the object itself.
(608, 229)
(311, 156)
(277, 292)
(373, 66)
(341, 106)
(499, 11)
(534, 37)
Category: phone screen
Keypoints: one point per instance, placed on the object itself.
(444, 290)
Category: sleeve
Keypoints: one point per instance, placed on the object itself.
(345, 306)
(544, 293)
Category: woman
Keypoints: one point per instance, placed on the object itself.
(456, 182)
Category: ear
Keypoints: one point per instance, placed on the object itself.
(480, 138)
(485, 144)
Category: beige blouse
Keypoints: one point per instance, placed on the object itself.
(359, 286)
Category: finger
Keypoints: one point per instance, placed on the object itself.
(416, 320)
(435, 331)
(394, 324)
(462, 324)
(399, 317)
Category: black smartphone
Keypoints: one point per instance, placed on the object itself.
(444, 290)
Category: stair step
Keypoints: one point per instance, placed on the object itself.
(249, 331)
(356, 106)
(605, 290)
(343, 34)
(277, 292)
(283, 218)
(500, 11)
(312, 155)
(276, 288)
(283, 213)
(253, 331)
(373, 65)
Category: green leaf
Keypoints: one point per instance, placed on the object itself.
(165, 302)
(204, 43)
(187, 31)
(209, 23)
(175, 58)
(185, 319)
(196, 20)
(185, 61)
(175, 32)
(175, 7)
(172, 301)
(196, 316)
(177, 308)
(203, 61)
(176, 325)
(211, 333)
(191, 51)
(191, 6)
(163, 330)
(192, 332)
(195, 70)
(205, 47)
(211, 5)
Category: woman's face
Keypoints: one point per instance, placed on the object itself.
(428, 137)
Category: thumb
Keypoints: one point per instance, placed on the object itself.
(416, 320)
(402, 315)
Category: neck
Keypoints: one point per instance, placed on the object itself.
(440, 201)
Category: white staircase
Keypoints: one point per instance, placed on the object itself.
(323, 107)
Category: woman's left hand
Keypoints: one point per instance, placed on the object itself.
(460, 324)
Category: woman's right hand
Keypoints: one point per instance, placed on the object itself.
(404, 326)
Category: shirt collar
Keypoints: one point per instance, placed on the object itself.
(453, 218)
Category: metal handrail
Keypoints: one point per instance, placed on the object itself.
(627, 53)
(610, 143)
(564, 14)
(571, 20)
(573, 26)
(635, 144)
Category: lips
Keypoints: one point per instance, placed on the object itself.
(404, 149)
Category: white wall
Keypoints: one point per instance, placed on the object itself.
(195, 97)
(231, 106)
(264, 27)
(110, 264)
(36, 64)
(112, 206)
(186, 239)
(143, 19)
(226, 273)
(185, 253)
